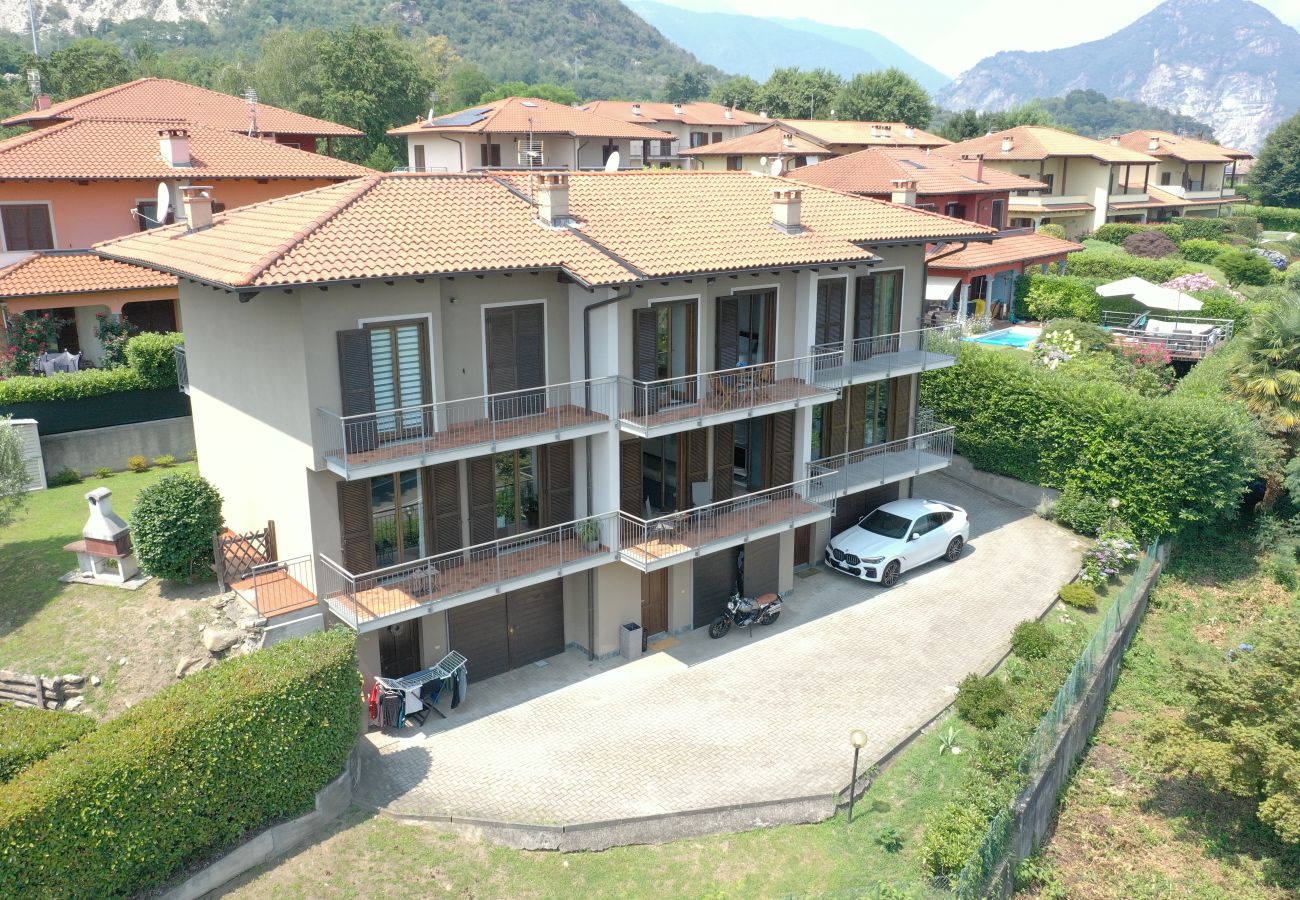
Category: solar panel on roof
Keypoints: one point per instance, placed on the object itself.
(464, 117)
(912, 163)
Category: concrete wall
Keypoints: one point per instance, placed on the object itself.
(1021, 493)
(93, 448)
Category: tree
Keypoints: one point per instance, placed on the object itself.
(967, 124)
(1242, 732)
(683, 87)
(173, 524)
(1244, 268)
(888, 96)
(794, 94)
(83, 67)
(13, 473)
(1275, 180)
(1267, 376)
(738, 92)
(466, 84)
(544, 91)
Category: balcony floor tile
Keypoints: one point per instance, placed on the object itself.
(696, 530)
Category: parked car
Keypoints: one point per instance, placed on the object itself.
(899, 537)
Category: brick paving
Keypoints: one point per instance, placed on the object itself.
(712, 723)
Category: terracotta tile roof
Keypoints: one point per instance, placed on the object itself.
(873, 170)
(1032, 142)
(105, 148)
(78, 272)
(1013, 248)
(866, 134)
(633, 226)
(1178, 147)
(768, 142)
(519, 115)
(153, 98)
(695, 113)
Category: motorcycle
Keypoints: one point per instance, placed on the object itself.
(746, 611)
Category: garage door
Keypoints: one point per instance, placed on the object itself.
(762, 566)
(513, 630)
(715, 579)
(853, 507)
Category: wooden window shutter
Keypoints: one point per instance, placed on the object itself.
(355, 524)
(728, 334)
(857, 403)
(724, 471)
(442, 506)
(782, 448)
(900, 407)
(502, 362)
(696, 454)
(482, 499)
(356, 373)
(530, 345)
(557, 475)
(864, 311)
(835, 423)
(630, 489)
(418, 152)
(830, 312)
(645, 348)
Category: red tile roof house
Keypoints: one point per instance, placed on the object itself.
(694, 124)
(800, 142)
(90, 169)
(580, 393)
(958, 274)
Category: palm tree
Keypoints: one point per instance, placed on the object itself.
(1267, 378)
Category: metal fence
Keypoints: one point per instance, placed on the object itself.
(846, 473)
(182, 369)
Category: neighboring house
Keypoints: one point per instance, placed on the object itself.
(1088, 182)
(961, 187)
(1194, 177)
(547, 405)
(694, 124)
(524, 133)
(68, 185)
(802, 142)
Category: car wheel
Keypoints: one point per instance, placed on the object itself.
(954, 549)
(889, 577)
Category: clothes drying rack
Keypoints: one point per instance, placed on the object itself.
(446, 668)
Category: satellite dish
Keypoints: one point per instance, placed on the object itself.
(164, 202)
(776, 166)
(611, 164)
(762, 161)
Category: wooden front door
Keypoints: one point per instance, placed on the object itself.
(399, 649)
(803, 545)
(654, 602)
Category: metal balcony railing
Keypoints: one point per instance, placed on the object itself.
(647, 544)
(1183, 337)
(433, 432)
(394, 593)
(858, 470)
(182, 369)
(887, 355)
(280, 586)
(722, 395)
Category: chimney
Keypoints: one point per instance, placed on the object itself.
(1008, 144)
(729, 112)
(786, 204)
(636, 109)
(762, 114)
(104, 530)
(909, 132)
(787, 140)
(1153, 142)
(174, 144)
(551, 190)
(978, 159)
(197, 202)
(1114, 140)
(677, 109)
(904, 193)
(44, 101)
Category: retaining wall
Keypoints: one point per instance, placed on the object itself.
(91, 448)
(1021, 493)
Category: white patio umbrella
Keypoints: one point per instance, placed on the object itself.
(1152, 296)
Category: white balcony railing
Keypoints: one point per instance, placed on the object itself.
(1047, 201)
(372, 443)
(858, 470)
(888, 355)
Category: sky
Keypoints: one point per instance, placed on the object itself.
(953, 35)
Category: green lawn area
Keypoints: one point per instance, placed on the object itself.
(53, 628)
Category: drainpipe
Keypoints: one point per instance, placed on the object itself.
(460, 149)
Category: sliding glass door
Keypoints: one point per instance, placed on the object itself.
(397, 518)
(399, 369)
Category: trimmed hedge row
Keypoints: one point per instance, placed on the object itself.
(1172, 461)
(1113, 266)
(28, 735)
(62, 416)
(1272, 218)
(151, 363)
(184, 774)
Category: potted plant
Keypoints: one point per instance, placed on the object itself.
(589, 534)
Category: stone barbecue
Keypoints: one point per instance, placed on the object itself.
(104, 553)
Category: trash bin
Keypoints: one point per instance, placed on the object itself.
(629, 641)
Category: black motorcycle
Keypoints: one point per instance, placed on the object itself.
(745, 611)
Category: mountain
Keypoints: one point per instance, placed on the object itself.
(753, 46)
(612, 51)
(1230, 63)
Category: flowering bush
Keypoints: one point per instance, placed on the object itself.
(1116, 550)
(1151, 368)
(30, 335)
(113, 335)
(1190, 283)
(1056, 346)
(1275, 259)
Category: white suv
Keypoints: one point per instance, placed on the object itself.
(898, 537)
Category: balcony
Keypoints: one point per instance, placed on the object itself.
(378, 443)
(653, 408)
(393, 594)
(888, 355)
(1046, 202)
(1182, 337)
(649, 545)
(860, 470)
(182, 370)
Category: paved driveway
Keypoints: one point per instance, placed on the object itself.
(739, 720)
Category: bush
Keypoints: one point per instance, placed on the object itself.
(103, 472)
(1079, 596)
(28, 735)
(1271, 218)
(166, 461)
(1200, 250)
(1150, 245)
(1243, 267)
(1113, 266)
(1274, 258)
(69, 385)
(1051, 230)
(1281, 568)
(184, 773)
(1116, 232)
(1033, 640)
(138, 463)
(173, 524)
(113, 333)
(64, 477)
(1243, 226)
(153, 357)
(1203, 228)
(982, 700)
(1225, 304)
(951, 836)
(1172, 230)
(1081, 511)
(1059, 297)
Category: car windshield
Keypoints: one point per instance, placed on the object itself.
(888, 524)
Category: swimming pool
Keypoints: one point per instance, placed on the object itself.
(1015, 336)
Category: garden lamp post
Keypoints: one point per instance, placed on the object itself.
(858, 738)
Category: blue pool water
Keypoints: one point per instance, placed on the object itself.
(1007, 337)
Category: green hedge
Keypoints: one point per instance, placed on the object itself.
(1113, 266)
(1118, 232)
(28, 735)
(61, 416)
(1172, 461)
(151, 363)
(1203, 227)
(1272, 218)
(184, 774)
(153, 356)
(1202, 250)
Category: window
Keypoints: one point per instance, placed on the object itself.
(800, 162)
(819, 436)
(531, 153)
(517, 507)
(27, 226)
(828, 333)
(747, 455)
(400, 375)
(735, 163)
(675, 339)
(666, 148)
(659, 458)
(717, 137)
(397, 518)
(490, 155)
(875, 413)
(1166, 178)
(699, 138)
(417, 153)
(607, 151)
(1022, 223)
(757, 327)
(1050, 181)
(955, 210)
(146, 215)
(999, 214)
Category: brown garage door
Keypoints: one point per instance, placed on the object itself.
(478, 631)
(513, 630)
(762, 566)
(715, 579)
(853, 507)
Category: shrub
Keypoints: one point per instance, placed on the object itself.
(29, 334)
(1272, 218)
(1222, 303)
(1243, 226)
(103, 472)
(1116, 232)
(1052, 230)
(1172, 230)
(28, 735)
(1058, 297)
(1242, 267)
(889, 839)
(173, 524)
(982, 700)
(1281, 568)
(1079, 596)
(65, 477)
(1203, 228)
(69, 385)
(1081, 511)
(153, 356)
(138, 463)
(1200, 250)
(1113, 266)
(113, 333)
(1033, 640)
(1150, 244)
(184, 773)
(951, 836)
(166, 461)
(1275, 259)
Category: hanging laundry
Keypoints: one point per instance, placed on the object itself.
(460, 687)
